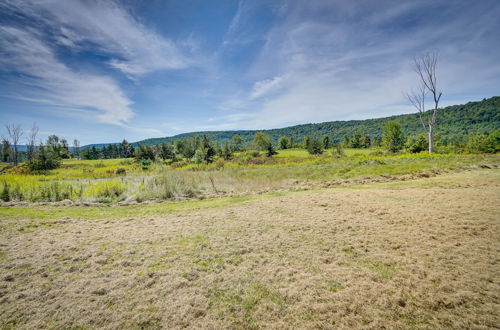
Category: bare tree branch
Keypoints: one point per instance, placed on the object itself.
(417, 99)
(31, 144)
(425, 67)
(15, 132)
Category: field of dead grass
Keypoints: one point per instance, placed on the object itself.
(416, 254)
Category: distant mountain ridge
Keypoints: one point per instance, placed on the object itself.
(453, 122)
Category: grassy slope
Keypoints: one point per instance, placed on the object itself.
(413, 254)
(90, 181)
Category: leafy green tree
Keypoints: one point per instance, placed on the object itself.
(270, 150)
(315, 147)
(359, 140)
(53, 142)
(416, 144)
(197, 143)
(307, 142)
(207, 149)
(227, 152)
(198, 157)
(481, 143)
(5, 150)
(186, 147)
(393, 138)
(326, 142)
(237, 142)
(64, 150)
(338, 151)
(346, 141)
(284, 142)
(45, 158)
(126, 150)
(261, 141)
(166, 152)
(145, 153)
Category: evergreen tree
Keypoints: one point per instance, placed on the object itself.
(207, 149)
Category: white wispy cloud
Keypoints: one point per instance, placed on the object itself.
(346, 60)
(48, 81)
(110, 28)
(30, 42)
(265, 87)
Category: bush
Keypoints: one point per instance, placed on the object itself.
(338, 151)
(484, 143)
(253, 153)
(45, 159)
(393, 137)
(314, 146)
(5, 193)
(120, 171)
(145, 153)
(416, 144)
(145, 164)
(219, 163)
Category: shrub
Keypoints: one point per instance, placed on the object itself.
(484, 143)
(145, 164)
(416, 144)
(338, 151)
(120, 171)
(145, 153)
(219, 163)
(314, 147)
(270, 150)
(198, 157)
(253, 153)
(393, 137)
(5, 196)
(45, 159)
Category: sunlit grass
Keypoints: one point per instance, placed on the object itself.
(99, 180)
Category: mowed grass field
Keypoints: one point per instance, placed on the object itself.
(420, 253)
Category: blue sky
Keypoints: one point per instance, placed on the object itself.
(101, 71)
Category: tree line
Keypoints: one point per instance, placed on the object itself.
(202, 150)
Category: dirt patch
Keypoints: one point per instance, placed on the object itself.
(382, 257)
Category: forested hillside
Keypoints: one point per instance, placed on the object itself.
(453, 123)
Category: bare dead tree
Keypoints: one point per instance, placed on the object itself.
(425, 67)
(15, 132)
(31, 143)
(76, 148)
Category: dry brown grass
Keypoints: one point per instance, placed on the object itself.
(418, 254)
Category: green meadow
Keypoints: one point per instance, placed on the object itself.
(112, 181)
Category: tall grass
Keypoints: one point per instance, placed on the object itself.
(99, 181)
